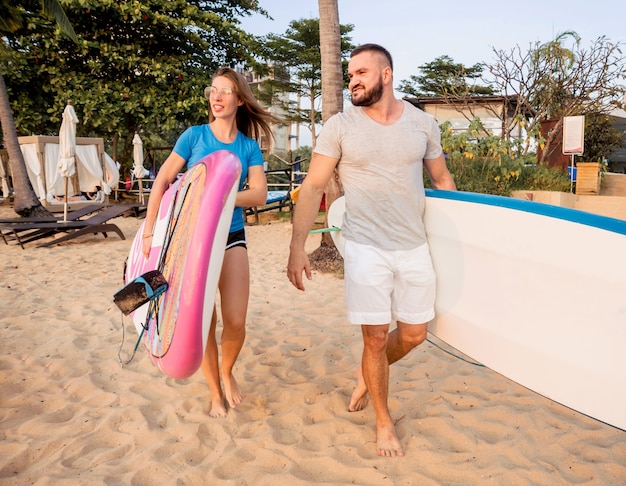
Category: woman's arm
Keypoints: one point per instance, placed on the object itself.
(256, 193)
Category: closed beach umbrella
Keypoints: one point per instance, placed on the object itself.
(67, 148)
(139, 171)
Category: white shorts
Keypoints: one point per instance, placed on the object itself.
(381, 285)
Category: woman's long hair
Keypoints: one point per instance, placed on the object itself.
(252, 119)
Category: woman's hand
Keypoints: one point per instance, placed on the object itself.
(146, 244)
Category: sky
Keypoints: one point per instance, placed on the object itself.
(417, 32)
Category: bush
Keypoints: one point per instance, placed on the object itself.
(491, 165)
(490, 176)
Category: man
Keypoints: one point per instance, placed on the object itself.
(380, 147)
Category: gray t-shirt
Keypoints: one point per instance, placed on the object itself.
(381, 168)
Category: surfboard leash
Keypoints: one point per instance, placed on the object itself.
(475, 363)
(152, 312)
(119, 351)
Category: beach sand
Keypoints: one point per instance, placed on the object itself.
(71, 414)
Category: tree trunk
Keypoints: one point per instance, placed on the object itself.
(330, 50)
(312, 116)
(25, 201)
(332, 82)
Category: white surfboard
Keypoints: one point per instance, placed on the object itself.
(536, 293)
(335, 221)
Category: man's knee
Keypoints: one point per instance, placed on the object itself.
(412, 335)
(375, 338)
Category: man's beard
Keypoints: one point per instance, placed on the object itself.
(370, 97)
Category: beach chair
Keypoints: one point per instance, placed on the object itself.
(26, 232)
(279, 185)
(71, 216)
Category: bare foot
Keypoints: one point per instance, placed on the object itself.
(387, 443)
(232, 392)
(218, 408)
(359, 399)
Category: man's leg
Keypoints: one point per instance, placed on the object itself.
(375, 368)
(400, 342)
(403, 339)
(379, 351)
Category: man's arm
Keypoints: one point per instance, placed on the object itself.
(439, 174)
(309, 198)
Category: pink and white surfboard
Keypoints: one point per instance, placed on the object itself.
(188, 244)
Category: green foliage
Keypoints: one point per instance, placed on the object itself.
(601, 138)
(444, 77)
(139, 65)
(10, 16)
(296, 67)
(304, 152)
(553, 62)
(492, 165)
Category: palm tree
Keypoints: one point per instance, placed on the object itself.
(330, 50)
(25, 201)
(332, 81)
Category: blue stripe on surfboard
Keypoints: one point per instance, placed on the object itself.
(582, 217)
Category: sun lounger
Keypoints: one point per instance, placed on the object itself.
(280, 184)
(71, 216)
(97, 223)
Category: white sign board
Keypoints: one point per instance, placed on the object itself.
(573, 135)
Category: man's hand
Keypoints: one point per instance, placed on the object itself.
(298, 263)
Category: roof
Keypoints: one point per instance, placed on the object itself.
(421, 102)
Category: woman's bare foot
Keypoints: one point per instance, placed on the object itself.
(359, 399)
(218, 408)
(232, 392)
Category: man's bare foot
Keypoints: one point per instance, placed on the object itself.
(387, 443)
(232, 392)
(359, 399)
(218, 408)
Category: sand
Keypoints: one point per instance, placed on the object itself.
(71, 414)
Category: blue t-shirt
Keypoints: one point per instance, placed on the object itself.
(197, 142)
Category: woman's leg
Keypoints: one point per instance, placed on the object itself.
(211, 370)
(234, 288)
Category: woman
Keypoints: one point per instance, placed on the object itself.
(236, 122)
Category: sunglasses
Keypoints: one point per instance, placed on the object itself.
(213, 91)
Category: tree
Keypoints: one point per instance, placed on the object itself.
(556, 81)
(139, 67)
(298, 50)
(25, 202)
(331, 54)
(601, 138)
(444, 77)
(332, 82)
(454, 82)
